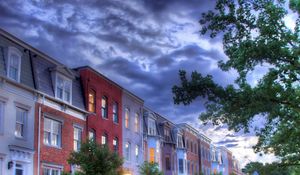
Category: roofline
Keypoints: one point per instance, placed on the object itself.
(165, 118)
(203, 135)
(22, 43)
(133, 95)
(98, 73)
(188, 126)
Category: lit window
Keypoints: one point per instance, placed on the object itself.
(136, 122)
(14, 64)
(92, 135)
(20, 122)
(104, 107)
(92, 100)
(126, 118)
(77, 138)
(52, 132)
(137, 153)
(127, 151)
(51, 171)
(104, 139)
(115, 112)
(63, 88)
(152, 155)
(116, 144)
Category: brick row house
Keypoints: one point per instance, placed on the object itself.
(48, 110)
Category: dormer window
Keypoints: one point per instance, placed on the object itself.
(14, 64)
(63, 88)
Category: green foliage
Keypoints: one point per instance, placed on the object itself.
(254, 34)
(150, 169)
(95, 159)
(271, 169)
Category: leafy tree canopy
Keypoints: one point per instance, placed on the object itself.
(270, 169)
(150, 169)
(95, 159)
(254, 34)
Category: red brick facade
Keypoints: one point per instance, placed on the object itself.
(192, 152)
(53, 155)
(205, 157)
(230, 162)
(91, 80)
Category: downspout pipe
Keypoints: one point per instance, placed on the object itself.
(39, 135)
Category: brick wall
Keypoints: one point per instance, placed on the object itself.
(53, 155)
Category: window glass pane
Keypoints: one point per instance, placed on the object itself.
(14, 66)
(92, 135)
(126, 118)
(47, 124)
(104, 107)
(67, 91)
(59, 87)
(152, 155)
(20, 122)
(115, 144)
(92, 101)
(104, 139)
(115, 112)
(136, 122)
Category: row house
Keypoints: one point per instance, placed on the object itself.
(132, 132)
(17, 107)
(168, 155)
(42, 111)
(191, 142)
(104, 102)
(204, 154)
(152, 140)
(181, 151)
(222, 161)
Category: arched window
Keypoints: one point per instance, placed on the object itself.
(116, 144)
(115, 112)
(126, 118)
(104, 139)
(92, 100)
(104, 107)
(14, 64)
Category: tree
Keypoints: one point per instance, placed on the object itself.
(270, 169)
(95, 159)
(254, 34)
(150, 169)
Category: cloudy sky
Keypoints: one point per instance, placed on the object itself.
(141, 44)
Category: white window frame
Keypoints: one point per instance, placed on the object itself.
(13, 50)
(65, 81)
(127, 148)
(77, 140)
(137, 153)
(23, 134)
(151, 127)
(115, 112)
(104, 139)
(136, 123)
(59, 141)
(127, 118)
(51, 168)
(20, 168)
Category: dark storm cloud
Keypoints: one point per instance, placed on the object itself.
(227, 141)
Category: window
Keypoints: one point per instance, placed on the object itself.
(104, 139)
(137, 149)
(104, 107)
(92, 135)
(115, 112)
(126, 118)
(1, 160)
(151, 127)
(127, 151)
(63, 88)
(14, 64)
(167, 135)
(181, 166)
(152, 155)
(52, 132)
(20, 122)
(187, 144)
(77, 138)
(51, 171)
(116, 144)
(136, 122)
(92, 100)
(179, 141)
(19, 170)
(168, 163)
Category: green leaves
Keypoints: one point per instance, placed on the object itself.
(254, 34)
(95, 159)
(150, 169)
